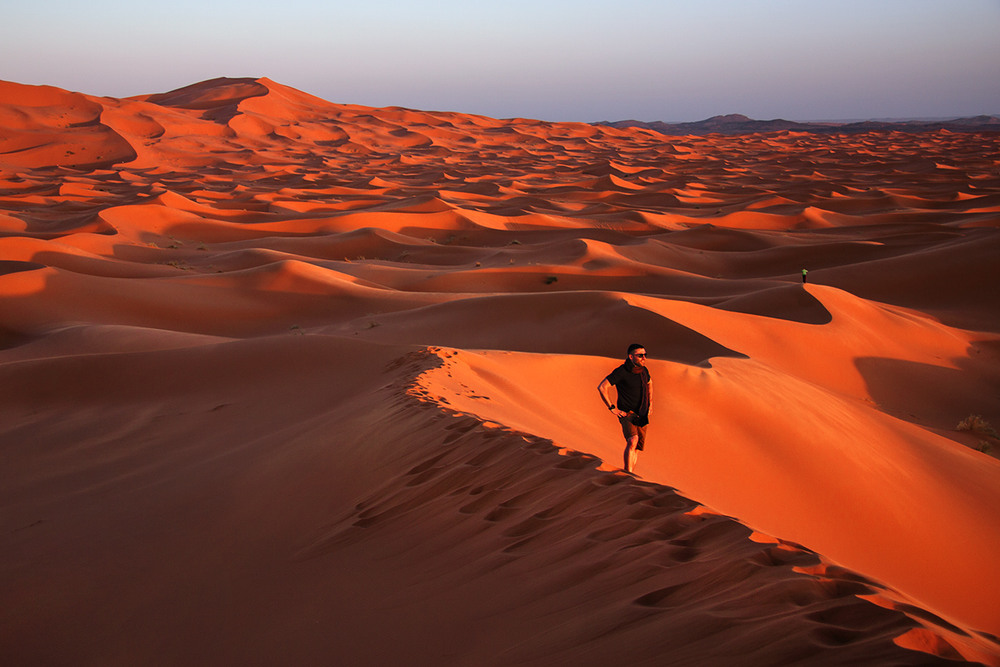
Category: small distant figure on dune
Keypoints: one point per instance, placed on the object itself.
(805, 272)
(634, 390)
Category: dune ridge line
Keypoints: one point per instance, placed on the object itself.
(288, 380)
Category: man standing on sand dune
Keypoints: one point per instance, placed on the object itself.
(635, 393)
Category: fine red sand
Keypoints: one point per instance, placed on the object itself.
(291, 382)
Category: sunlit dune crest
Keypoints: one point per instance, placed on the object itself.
(291, 381)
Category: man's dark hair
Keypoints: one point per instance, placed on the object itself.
(635, 346)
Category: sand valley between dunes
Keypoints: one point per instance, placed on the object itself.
(284, 381)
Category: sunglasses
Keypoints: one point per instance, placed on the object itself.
(634, 354)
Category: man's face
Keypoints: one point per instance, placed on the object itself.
(638, 357)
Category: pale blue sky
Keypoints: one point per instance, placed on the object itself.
(583, 60)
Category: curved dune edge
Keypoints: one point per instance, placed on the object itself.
(474, 383)
(250, 338)
(207, 526)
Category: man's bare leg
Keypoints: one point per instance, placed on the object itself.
(631, 453)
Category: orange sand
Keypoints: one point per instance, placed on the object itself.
(287, 381)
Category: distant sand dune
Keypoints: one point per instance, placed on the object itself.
(289, 381)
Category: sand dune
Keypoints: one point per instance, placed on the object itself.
(290, 381)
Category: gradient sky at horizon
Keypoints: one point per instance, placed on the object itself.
(558, 60)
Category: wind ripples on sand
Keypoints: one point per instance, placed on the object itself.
(287, 378)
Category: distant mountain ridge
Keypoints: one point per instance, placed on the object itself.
(733, 124)
(225, 121)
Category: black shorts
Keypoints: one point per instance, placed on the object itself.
(630, 430)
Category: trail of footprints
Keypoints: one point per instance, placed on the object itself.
(604, 528)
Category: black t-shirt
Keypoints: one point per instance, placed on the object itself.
(629, 386)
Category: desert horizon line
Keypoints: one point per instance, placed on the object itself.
(992, 117)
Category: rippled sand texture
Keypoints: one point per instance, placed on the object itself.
(284, 381)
